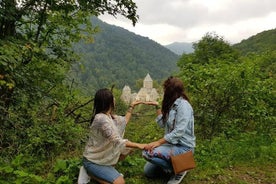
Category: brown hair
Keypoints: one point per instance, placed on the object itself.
(103, 101)
(173, 89)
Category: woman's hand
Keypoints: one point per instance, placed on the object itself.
(157, 106)
(134, 103)
(155, 144)
(152, 145)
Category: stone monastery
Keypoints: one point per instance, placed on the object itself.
(146, 93)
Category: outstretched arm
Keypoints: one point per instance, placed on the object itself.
(135, 145)
(130, 109)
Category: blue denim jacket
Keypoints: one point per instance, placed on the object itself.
(179, 127)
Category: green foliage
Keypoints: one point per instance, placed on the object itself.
(22, 169)
(214, 157)
(230, 97)
(35, 106)
(212, 154)
(51, 139)
(261, 42)
(117, 53)
(44, 118)
(34, 15)
(41, 111)
(65, 171)
(213, 48)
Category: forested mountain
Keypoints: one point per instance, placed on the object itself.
(180, 47)
(120, 57)
(260, 42)
(45, 119)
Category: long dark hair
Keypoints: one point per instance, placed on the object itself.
(103, 101)
(173, 89)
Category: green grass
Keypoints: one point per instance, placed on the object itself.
(248, 158)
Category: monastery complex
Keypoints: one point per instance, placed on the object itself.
(146, 93)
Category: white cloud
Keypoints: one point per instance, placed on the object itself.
(167, 21)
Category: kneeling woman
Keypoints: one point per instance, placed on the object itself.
(106, 144)
(177, 118)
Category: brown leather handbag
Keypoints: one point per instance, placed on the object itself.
(183, 162)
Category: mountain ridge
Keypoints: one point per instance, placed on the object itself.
(120, 57)
(180, 47)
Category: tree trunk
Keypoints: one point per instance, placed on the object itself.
(8, 18)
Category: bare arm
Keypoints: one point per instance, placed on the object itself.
(130, 109)
(135, 145)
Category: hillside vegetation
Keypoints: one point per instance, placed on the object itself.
(120, 57)
(45, 114)
(258, 43)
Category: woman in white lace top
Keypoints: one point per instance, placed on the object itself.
(106, 143)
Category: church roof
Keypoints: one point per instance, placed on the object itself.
(126, 87)
(148, 78)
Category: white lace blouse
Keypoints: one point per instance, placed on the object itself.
(105, 143)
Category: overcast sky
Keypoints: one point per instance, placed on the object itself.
(168, 21)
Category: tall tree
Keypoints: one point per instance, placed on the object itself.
(44, 30)
(35, 56)
(18, 13)
(213, 47)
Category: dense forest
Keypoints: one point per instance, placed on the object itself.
(119, 57)
(259, 43)
(45, 113)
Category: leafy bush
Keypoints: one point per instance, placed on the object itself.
(25, 169)
(230, 97)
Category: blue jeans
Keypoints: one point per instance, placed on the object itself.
(103, 172)
(160, 159)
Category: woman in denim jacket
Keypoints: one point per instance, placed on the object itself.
(176, 117)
